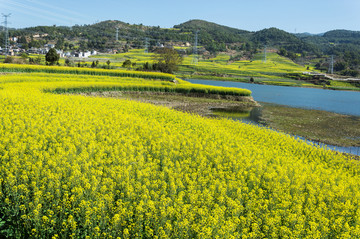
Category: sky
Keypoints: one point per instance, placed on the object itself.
(295, 16)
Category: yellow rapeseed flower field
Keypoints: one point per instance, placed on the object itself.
(84, 167)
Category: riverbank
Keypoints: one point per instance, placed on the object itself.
(316, 84)
(341, 102)
(316, 125)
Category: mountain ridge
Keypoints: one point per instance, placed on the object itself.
(213, 37)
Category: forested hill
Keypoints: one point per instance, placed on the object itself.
(343, 44)
(211, 33)
(212, 36)
(208, 26)
(343, 35)
(332, 37)
(214, 31)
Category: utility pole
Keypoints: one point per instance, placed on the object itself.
(117, 34)
(6, 33)
(195, 50)
(331, 66)
(146, 45)
(264, 54)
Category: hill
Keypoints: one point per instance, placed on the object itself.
(344, 45)
(213, 38)
(274, 36)
(219, 32)
(342, 34)
(282, 39)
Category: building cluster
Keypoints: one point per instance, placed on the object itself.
(16, 49)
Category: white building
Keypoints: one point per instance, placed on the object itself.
(82, 54)
(66, 54)
(49, 45)
(86, 54)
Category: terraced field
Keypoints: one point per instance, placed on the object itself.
(273, 71)
(275, 66)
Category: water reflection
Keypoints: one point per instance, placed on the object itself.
(342, 102)
(248, 115)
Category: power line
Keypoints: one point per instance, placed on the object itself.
(195, 50)
(264, 54)
(117, 34)
(146, 45)
(57, 9)
(53, 15)
(6, 33)
(34, 14)
(331, 65)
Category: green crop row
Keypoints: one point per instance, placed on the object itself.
(183, 89)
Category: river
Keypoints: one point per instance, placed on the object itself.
(342, 102)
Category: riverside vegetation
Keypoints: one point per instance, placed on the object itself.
(87, 167)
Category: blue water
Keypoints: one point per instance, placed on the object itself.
(342, 102)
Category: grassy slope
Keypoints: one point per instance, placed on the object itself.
(271, 72)
(275, 65)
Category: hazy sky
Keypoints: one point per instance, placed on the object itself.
(314, 16)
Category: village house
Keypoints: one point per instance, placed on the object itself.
(82, 54)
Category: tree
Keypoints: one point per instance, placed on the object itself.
(60, 44)
(38, 59)
(340, 66)
(9, 59)
(24, 56)
(25, 46)
(68, 62)
(167, 60)
(83, 45)
(52, 57)
(282, 52)
(22, 40)
(126, 63)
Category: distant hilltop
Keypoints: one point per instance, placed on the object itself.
(114, 36)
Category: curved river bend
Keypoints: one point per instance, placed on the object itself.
(341, 102)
